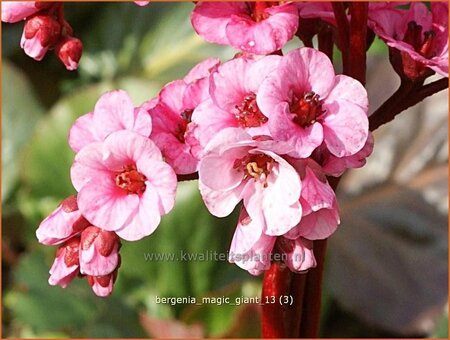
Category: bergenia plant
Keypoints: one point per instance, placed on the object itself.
(268, 132)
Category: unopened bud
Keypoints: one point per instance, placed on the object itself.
(69, 51)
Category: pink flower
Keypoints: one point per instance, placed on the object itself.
(171, 116)
(236, 167)
(142, 3)
(14, 11)
(335, 166)
(66, 265)
(63, 223)
(307, 104)
(40, 33)
(251, 248)
(420, 36)
(255, 27)
(320, 216)
(114, 111)
(69, 50)
(102, 285)
(123, 184)
(233, 91)
(298, 254)
(99, 251)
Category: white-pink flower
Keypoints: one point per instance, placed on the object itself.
(307, 104)
(250, 248)
(114, 111)
(99, 251)
(123, 184)
(66, 265)
(233, 90)
(320, 216)
(236, 167)
(63, 223)
(255, 27)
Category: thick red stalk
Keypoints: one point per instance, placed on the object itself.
(358, 41)
(343, 30)
(275, 285)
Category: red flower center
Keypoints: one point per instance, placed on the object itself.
(258, 166)
(248, 113)
(307, 109)
(257, 9)
(182, 126)
(130, 180)
(422, 43)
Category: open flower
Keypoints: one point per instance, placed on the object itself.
(236, 167)
(114, 111)
(419, 37)
(255, 27)
(123, 184)
(233, 91)
(307, 104)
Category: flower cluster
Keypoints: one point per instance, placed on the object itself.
(123, 185)
(264, 131)
(45, 29)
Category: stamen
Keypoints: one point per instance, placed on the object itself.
(248, 113)
(307, 110)
(130, 180)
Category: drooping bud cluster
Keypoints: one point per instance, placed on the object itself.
(83, 249)
(45, 29)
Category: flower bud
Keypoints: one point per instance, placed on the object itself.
(41, 32)
(66, 265)
(99, 251)
(102, 285)
(69, 51)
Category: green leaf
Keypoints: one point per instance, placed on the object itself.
(75, 311)
(20, 112)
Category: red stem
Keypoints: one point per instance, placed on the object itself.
(343, 33)
(358, 40)
(275, 284)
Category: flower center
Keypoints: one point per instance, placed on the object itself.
(130, 180)
(257, 9)
(248, 113)
(306, 110)
(180, 130)
(258, 166)
(422, 43)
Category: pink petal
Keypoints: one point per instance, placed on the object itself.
(210, 19)
(145, 221)
(350, 90)
(160, 178)
(14, 11)
(82, 133)
(345, 128)
(33, 47)
(201, 70)
(221, 203)
(105, 205)
(302, 257)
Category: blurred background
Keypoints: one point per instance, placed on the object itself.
(387, 265)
